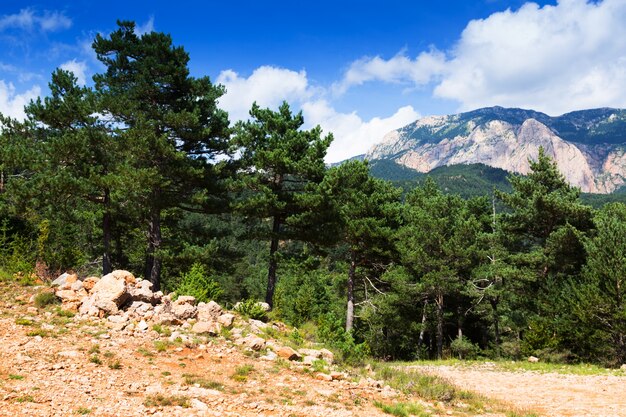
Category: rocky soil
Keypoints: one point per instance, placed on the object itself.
(170, 358)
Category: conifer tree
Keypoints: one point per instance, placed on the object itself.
(168, 120)
(279, 163)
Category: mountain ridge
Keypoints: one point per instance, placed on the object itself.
(587, 145)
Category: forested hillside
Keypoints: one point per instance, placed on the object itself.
(142, 170)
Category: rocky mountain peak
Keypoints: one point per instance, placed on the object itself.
(587, 145)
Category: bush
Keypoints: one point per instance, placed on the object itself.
(464, 348)
(198, 284)
(252, 309)
(44, 299)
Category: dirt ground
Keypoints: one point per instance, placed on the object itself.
(550, 394)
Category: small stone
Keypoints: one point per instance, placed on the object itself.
(226, 319)
(209, 311)
(142, 326)
(323, 377)
(184, 311)
(288, 353)
(533, 359)
(337, 376)
(209, 327)
(186, 299)
(198, 405)
(254, 342)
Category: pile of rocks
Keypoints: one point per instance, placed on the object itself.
(124, 299)
(128, 303)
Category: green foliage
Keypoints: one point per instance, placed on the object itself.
(402, 409)
(252, 309)
(281, 163)
(44, 299)
(331, 330)
(197, 284)
(464, 348)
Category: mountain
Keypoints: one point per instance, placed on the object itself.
(589, 146)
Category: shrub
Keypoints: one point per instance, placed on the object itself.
(44, 299)
(198, 284)
(252, 309)
(464, 348)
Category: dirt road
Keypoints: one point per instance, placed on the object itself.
(551, 394)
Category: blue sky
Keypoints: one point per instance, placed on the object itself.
(357, 68)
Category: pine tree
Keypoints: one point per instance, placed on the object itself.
(279, 163)
(167, 119)
(366, 211)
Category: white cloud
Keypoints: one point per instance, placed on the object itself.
(551, 58)
(146, 27)
(420, 71)
(12, 104)
(353, 135)
(79, 69)
(268, 86)
(28, 19)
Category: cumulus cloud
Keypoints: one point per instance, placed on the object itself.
(268, 86)
(28, 19)
(79, 69)
(11, 103)
(553, 58)
(353, 135)
(420, 71)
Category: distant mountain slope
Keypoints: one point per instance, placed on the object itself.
(473, 180)
(589, 145)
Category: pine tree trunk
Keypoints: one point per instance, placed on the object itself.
(273, 263)
(106, 234)
(420, 341)
(153, 260)
(496, 324)
(439, 302)
(350, 307)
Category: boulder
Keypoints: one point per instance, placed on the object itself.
(533, 359)
(67, 295)
(186, 299)
(308, 360)
(107, 306)
(184, 311)
(112, 287)
(226, 319)
(89, 283)
(142, 291)
(288, 353)
(209, 311)
(207, 327)
(257, 325)
(76, 286)
(69, 280)
(328, 356)
(317, 354)
(60, 280)
(254, 342)
(128, 277)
